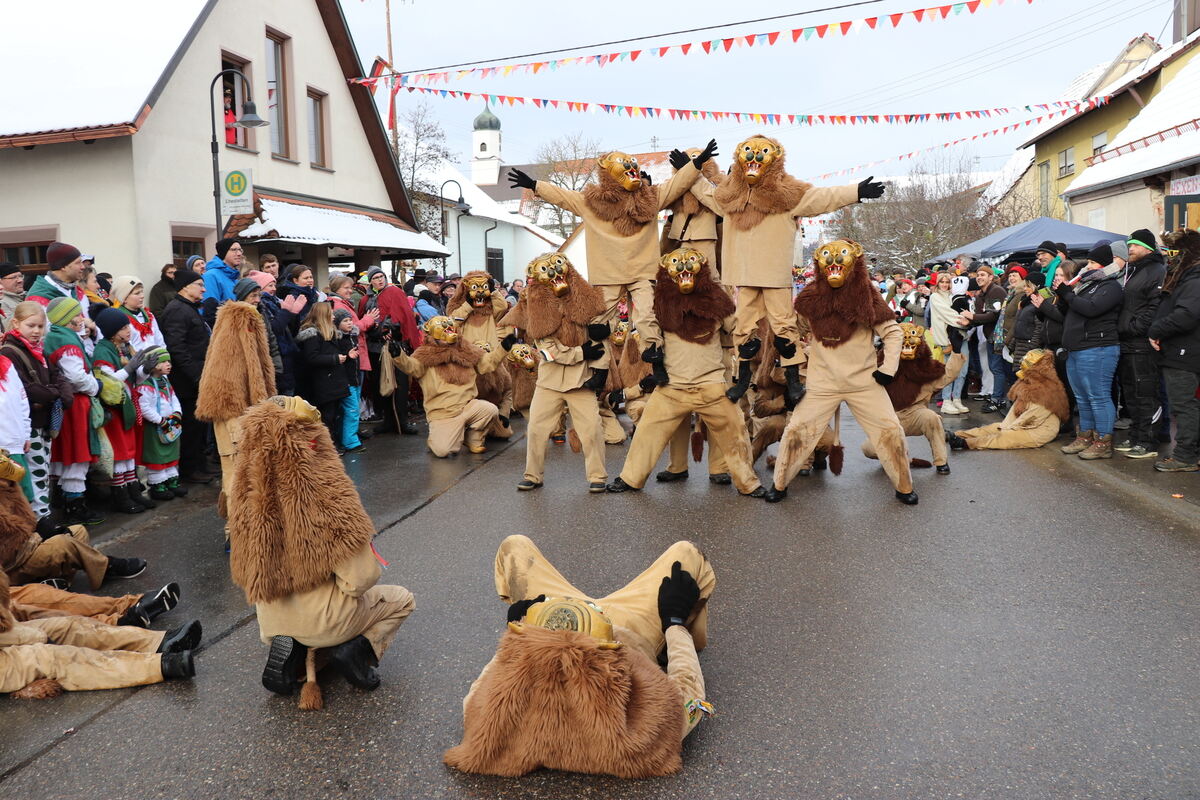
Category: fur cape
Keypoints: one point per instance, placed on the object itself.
(554, 699)
(492, 386)
(630, 367)
(523, 385)
(687, 205)
(540, 314)
(1187, 242)
(7, 620)
(460, 295)
(912, 376)
(693, 317)
(295, 514)
(238, 371)
(834, 314)
(454, 363)
(628, 212)
(1041, 386)
(17, 526)
(775, 193)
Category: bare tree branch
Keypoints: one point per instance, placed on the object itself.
(568, 162)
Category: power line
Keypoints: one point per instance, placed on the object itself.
(639, 38)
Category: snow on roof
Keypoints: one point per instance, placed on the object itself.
(1009, 174)
(299, 222)
(481, 204)
(1177, 103)
(82, 64)
(1077, 89)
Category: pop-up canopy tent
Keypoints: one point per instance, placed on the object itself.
(1020, 241)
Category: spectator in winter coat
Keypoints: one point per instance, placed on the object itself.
(163, 292)
(64, 279)
(427, 306)
(324, 362)
(1090, 338)
(220, 274)
(1137, 370)
(985, 311)
(282, 321)
(396, 322)
(12, 291)
(187, 336)
(1175, 334)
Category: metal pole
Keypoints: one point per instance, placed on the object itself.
(495, 224)
(216, 166)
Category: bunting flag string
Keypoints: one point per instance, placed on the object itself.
(710, 46)
(684, 114)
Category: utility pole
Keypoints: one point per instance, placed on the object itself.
(653, 144)
(387, 6)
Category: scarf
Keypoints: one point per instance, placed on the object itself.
(34, 350)
(943, 315)
(141, 320)
(1102, 274)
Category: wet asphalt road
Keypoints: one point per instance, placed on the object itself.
(1027, 631)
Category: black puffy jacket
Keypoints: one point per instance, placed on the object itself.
(1176, 324)
(187, 335)
(325, 375)
(1143, 287)
(1091, 319)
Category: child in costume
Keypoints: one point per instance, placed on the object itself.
(130, 296)
(162, 423)
(574, 684)
(1038, 408)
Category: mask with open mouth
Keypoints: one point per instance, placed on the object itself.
(441, 329)
(836, 259)
(522, 355)
(619, 334)
(683, 265)
(914, 335)
(479, 291)
(623, 168)
(551, 270)
(755, 156)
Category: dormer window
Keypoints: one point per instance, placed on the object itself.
(483, 147)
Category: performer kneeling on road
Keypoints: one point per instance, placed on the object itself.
(694, 313)
(573, 685)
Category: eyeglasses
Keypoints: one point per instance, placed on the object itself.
(237, 247)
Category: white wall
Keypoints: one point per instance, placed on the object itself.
(519, 245)
(1140, 207)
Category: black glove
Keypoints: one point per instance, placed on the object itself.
(652, 354)
(677, 596)
(784, 347)
(646, 177)
(616, 397)
(904, 303)
(520, 180)
(592, 350)
(956, 339)
(881, 378)
(868, 190)
(749, 349)
(508, 341)
(648, 384)
(491, 284)
(678, 158)
(47, 527)
(709, 152)
(599, 331)
(395, 348)
(516, 612)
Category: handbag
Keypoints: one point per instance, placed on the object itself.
(170, 429)
(387, 375)
(96, 414)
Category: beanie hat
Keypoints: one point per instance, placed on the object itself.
(244, 286)
(373, 271)
(63, 309)
(339, 315)
(193, 259)
(1017, 268)
(58, 255)
(1143, 237)
(1120, 249)
(1060, 247)
(110, 322)
(8, 268)
(1036, 277)
(1101, 253)
(185, 277)
(1047, 247)
(263, 279)
(223, 247)
(122, 287)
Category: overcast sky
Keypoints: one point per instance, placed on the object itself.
(1012, 54)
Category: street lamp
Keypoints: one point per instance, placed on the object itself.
(462, 207)
(249, 119)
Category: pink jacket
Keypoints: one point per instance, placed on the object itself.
(362, 323)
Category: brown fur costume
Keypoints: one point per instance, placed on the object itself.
(687, 204)
(1041, 385)
(630, 366)
(834, 314)
(1187, 242)
(460, 295)
(696, 316)
(17, 526)
(454, 363)
(492, 386)
(237, 371)
(628, 212)
(911, 375)
(555, 699)
(775, 193)
(296, 514)
(540, 314)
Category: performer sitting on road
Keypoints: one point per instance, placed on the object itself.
(574, 684)
(1038, 409)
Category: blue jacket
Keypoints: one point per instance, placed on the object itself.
(219, 279)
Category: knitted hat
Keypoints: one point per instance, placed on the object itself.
(8, 268)
(185, 277)
(1143, 237)
(339, 315)
(1047, 247)
(263, 279)
(1101, 253)
(1017, 268)
(1060, 247)
(1120, 249)
(193, 259)
(63, 309)
(373, 271)
(110, 322)
(244, 286)
(58, 255)
(122, 287)
(223, 247)
(433, 277)
(1037, 278)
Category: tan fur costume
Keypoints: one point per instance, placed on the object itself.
(447, 374)
(1039, 407)
(916, 381)
(692, 224)
(481, 324)
(26, 557)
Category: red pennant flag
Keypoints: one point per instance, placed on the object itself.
(796, 33)
(686, 47)
(771, 37)
(554, 103)
(973, 6)
(846, 27)
(791, 119)
(895, 18)
(872, 20)
(750, 40)
(466, 95)
(537, 102)
(728, 44)
(945, 11)
(603, 60)
(920, 12)
(707, 46)
(821, 31)
(662, 51)
(633, 54)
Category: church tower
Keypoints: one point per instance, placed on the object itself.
(485, 149)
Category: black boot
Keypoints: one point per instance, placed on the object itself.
(78, 513)
(618, 485)
(137, 495)
(163, 601)
(795, 389)
(357, 662)
(597, 381)
(666, 476)
(185, 637)
(955, 441)
(774, 495)
(161, 493)
(285, 664)
(742, 383)
(178, 666)
(908, 498)
(653, 355)
(119, 500)
(124, 568)
(176, 489)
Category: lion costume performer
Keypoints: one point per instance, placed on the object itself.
(308, 567)
(41, 658)
(692, 224)
(1038, 409)
(555, 311)
(522, 365)
(694, 312)
(477, 306)
(760, 202)
(447, 368)
(769, 414)
(844, 313)
(574, 684)
(620, 213)
(917, 378)
(238, 373)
